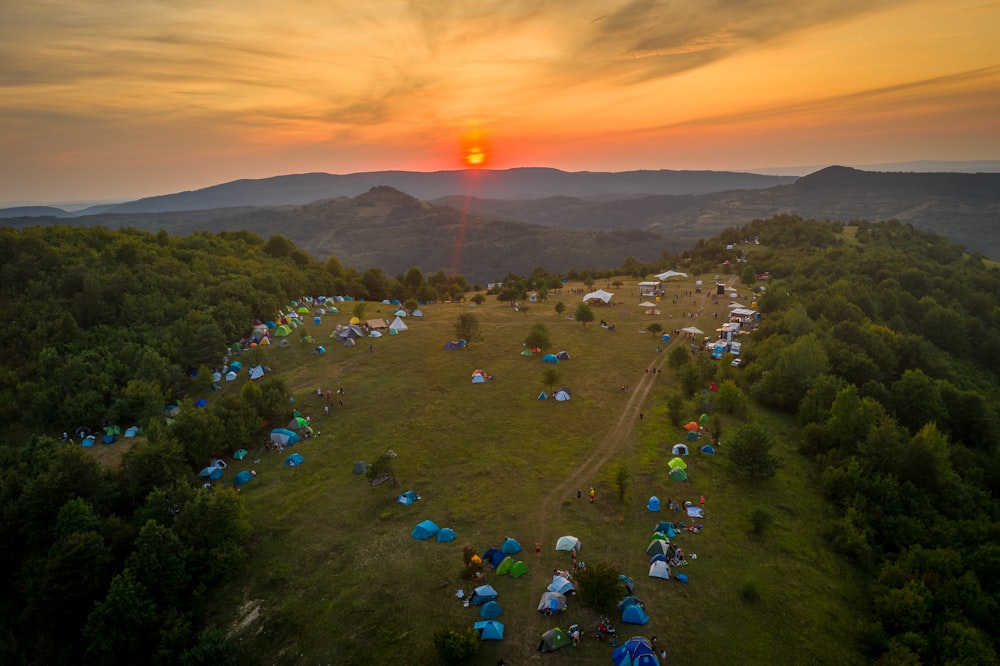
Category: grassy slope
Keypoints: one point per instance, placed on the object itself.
(335, 578)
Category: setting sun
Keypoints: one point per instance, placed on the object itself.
(475, 150)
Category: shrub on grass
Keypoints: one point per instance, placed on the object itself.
(599, 587)
(760, 519)
(456, 646)
(749, 592)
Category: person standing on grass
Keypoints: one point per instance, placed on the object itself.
(592, 495)
(538, 548)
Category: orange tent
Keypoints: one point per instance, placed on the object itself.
(692, 426)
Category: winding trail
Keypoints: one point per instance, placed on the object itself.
(613, 444)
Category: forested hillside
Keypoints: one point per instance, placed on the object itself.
(882, 341)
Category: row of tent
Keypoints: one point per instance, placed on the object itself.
(426, 529)
(562, 395)
(549, 358)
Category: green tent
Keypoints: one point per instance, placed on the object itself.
(518, 569)
(703, 418)
(678, 474)
(504, 567)
(553, 639)
(240, 454)
(526, 352)
(303, 310)
(677, 462)
(282, 331)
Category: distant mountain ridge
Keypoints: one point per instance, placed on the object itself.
(522, 183)
(391, 229)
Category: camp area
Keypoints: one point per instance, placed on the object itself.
(494, 467)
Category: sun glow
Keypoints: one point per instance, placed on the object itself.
(475, 149)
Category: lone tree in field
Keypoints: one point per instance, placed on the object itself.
(359, 310)
(584, 313)
(538, 337)
(749, 448)
(467, 327)
(560, 308)
(551, 377)
(600, 587)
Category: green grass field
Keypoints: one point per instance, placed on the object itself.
(334, 577)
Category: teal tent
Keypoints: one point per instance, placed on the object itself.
(425, 530)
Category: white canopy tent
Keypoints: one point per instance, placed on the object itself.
(599, 294)
(670, 274)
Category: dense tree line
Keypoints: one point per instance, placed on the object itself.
(882, 341)
(109, 327)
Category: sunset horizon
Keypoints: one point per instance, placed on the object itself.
(116, 102)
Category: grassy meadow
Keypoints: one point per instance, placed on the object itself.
(335, 578)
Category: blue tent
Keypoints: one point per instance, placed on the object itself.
(653, 504)
(109, 439)
(212, 473)
(425, 530)
(707, 449)
(543, 396)
(550, 358)
(630, 601)
(445, 535)
(659, 557)
(636, 651)
(242, 478)
(666, 337)
(489, 630)
(490, 611)
(201, 403)
(561, 584)
(627, 582)
(494, 557)
(482, 594)
(407, 498)
(681, 577)
(665, 527)
(510, 547)
(634, 615)
(235, 366)
(284, 436)
(452, 345)
(294, 460)
(88, 441)
(317, 320)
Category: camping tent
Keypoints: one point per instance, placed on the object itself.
(510, 547)
(398, 325)
(568, 543)
(678, 474)
(362, 467)
(425, 530)
(240, 454)
(297, 423)
(630, 601)
(230, 377)
(212, 473)
(659, 557)
(653, 504)
(242, 478)
(494, 557)
(669, 274)
(563, 355)
(88, 441)
(550, 358)
(294, 460)
(132, 431)
(634, 615)
(600, 295)
(518, 569)
(526, 352)
(707, 449)
(552, 602)
(680, 450)
(692, 436)
(489, 630)
(407, 498)
(677, 462)
(482, 594)
(637, 651)
(552, 640)
(692, 425)
(561, 584)
(543, 396)
(490, 610)
(452, 345)
(478, 376)
(562, 395)
(284, 437)
(659, 570)
(657, 547)
(505, 566)
(446, 535)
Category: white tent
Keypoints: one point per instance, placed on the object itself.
(693, 330)
(568, 543)
(659, 569)
(600, 294)
(647, 304)
(398, 325)
(669, 274)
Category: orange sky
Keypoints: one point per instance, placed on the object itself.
(115, 98)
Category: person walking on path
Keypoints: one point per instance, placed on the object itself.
(538, 548)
